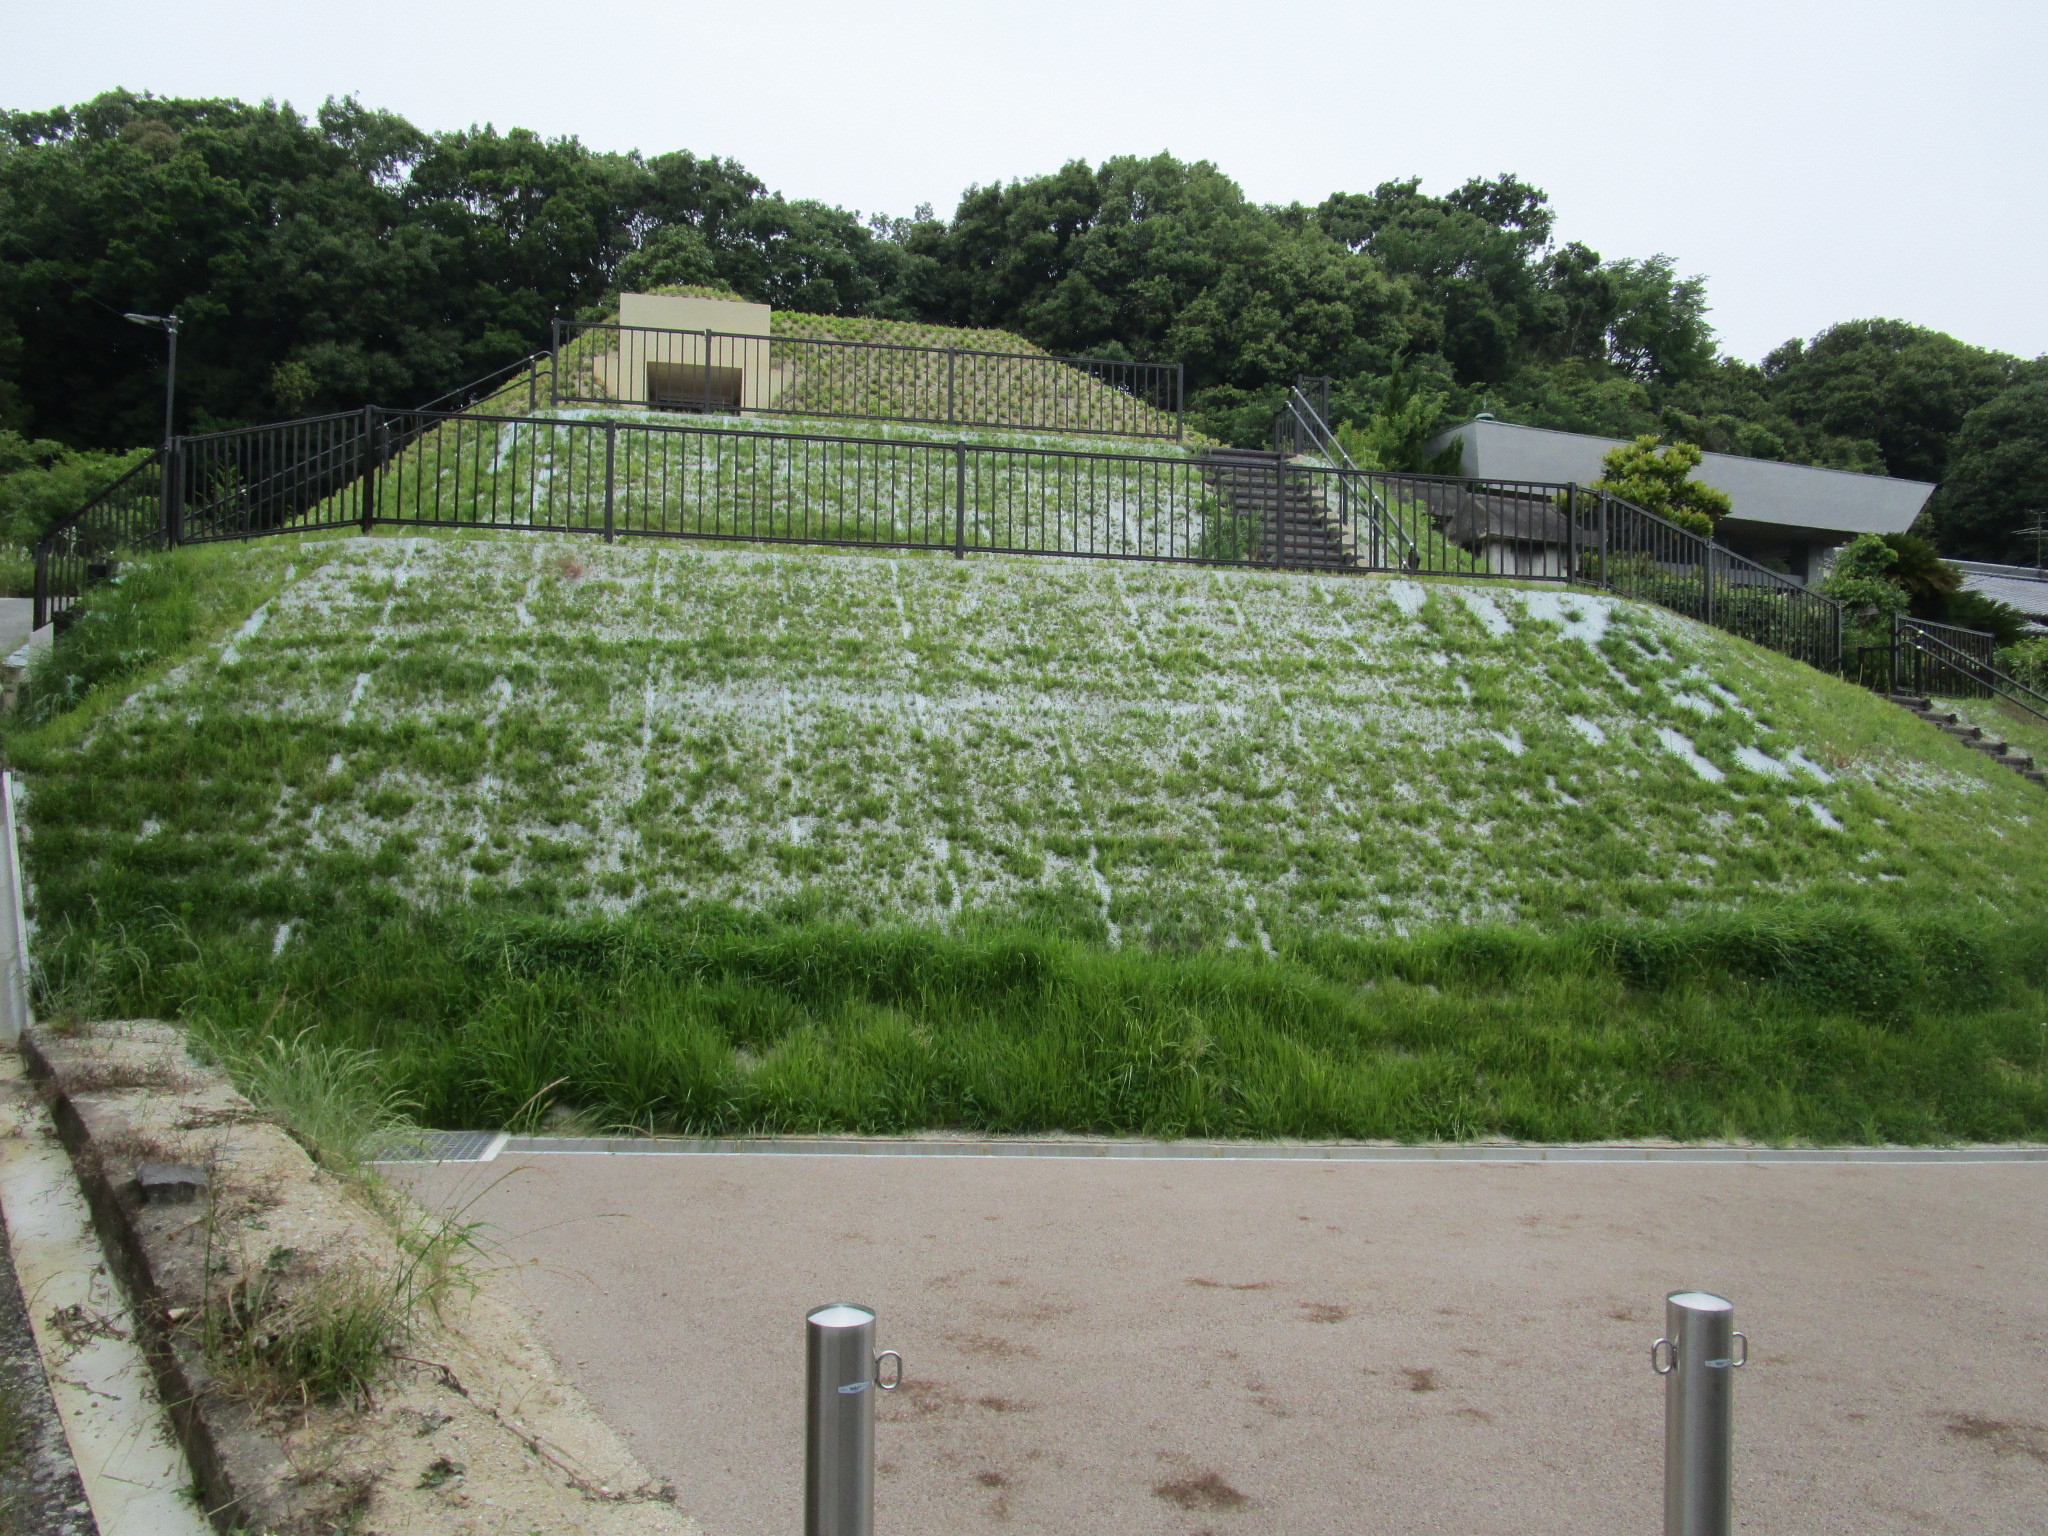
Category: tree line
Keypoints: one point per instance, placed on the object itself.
(320, 262)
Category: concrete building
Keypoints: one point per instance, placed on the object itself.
(663, 359)
(1785, 515)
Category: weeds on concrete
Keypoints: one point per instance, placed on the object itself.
(332, 1098)
(324, 1340)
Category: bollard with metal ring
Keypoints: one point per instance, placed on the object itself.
(1697, 1358)
(842, 1374)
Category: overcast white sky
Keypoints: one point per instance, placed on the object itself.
(1816, 161)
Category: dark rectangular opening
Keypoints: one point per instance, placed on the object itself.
(692, 387)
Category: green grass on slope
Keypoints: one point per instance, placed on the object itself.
(1822, 1026)
(681, 838)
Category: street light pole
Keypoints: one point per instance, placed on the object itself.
(170, 328)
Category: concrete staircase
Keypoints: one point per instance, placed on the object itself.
(1290, 523)
(1971, 736)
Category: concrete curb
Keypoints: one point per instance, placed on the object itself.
(135, 1477)
(484, 1147)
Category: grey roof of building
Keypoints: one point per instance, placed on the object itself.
(2023, 586)
(1831, 504)
(1470, 518)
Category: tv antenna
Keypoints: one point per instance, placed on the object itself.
(2038, 532)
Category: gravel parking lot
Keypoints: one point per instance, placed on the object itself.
(1221, 1347)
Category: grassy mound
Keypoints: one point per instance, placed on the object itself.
(998, 381)
(680, 837)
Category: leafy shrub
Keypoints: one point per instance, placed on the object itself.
(1861, 580)
(2028, 661)
(1658, 480)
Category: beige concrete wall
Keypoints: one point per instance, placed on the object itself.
(686, 312)
(661, 352)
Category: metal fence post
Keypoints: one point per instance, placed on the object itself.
(172, 470)
(41, 614)
(952, 368)
(1603, 543)
(1710, 581)
(841, 1374)
(1571, 533)
(1180, 399)
(611, 445)
(959, 501)
(369, 479)
(1698, 1360)
(554, 362)
(707, 370)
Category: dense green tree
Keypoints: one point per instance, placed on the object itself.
(1997, 480)
(1468, 256)
(1901, 388)
(1159, 259)
(1861, 582)
(321, 262)
(318, 264)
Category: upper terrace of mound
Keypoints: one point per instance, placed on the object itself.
(708, 353)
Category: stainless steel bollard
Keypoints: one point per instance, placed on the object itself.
(1698, 1360)
(842, 1373)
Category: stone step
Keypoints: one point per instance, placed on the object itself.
(1972, 736)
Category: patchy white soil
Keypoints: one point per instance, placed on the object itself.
(1176, 753)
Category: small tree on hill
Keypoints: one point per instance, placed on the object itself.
(1660, 481)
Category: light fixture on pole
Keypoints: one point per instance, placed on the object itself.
(170, 328)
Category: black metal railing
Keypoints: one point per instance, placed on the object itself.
(681, 479)
(1301, 429)
(1432, 523)
(86, 547)
(314, 473)
(718, 373)
(1943, 661)
(626, 479)
(1635, 553)
(498, 382)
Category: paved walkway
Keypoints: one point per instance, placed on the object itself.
(16, 616)
(1140, 1346)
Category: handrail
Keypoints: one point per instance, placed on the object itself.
(154, 456)
(1308, 419)
(531, 360)
(1981, 672)
(74, 538)
(1958, 629)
